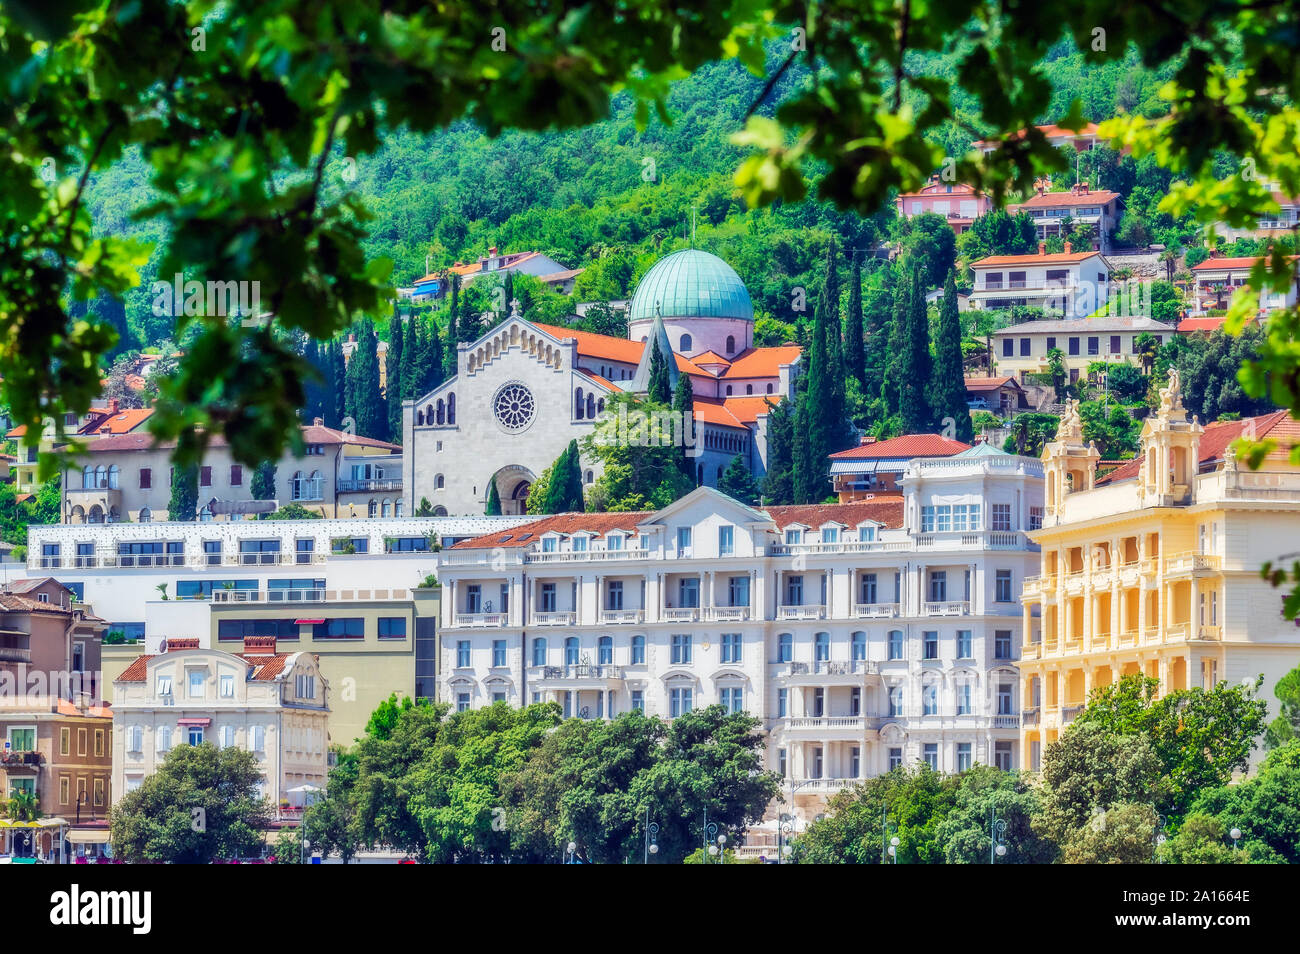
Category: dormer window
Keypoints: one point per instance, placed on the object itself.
(580, 544)
(549, 544)
(614, 541)
(830, 534)
(866, 534)
(794, 536)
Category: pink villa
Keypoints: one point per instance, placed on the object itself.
(957, 202)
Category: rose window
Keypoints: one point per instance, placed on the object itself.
(514, 407)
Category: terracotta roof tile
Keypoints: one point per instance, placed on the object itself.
(1218, 435)
(14, 603)
(883, 509)
(1052, 200)
(1055, 258)
(747, 409)
(762, 362)
(906, 446)
(1216, 264)
(263, 668)
(989, 384)
(598, 524)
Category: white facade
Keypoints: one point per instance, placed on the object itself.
(858, 641)
(273, 705)
(1074, 283)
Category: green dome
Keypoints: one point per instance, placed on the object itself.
(691, 284)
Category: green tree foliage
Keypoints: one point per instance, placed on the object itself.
(293, 511)
(739, 483)
(1200, 736)
(262, 486)
(563, 489)
(1286, 726)
(659, 387)
(185, 493)
(1125, 383)
(1124, 834)
(684, 409)
(641, 465)
(985, 794)
(1030, 431)
(1265, 808)
(1210, 368)
(948, 390)
(16, 516)
(1201, 840)
(366, 400)
(778, 482)
(393, 375)
(998, 233)
(1116, 433)
(855, 358)
(156, 822)
(914, 370)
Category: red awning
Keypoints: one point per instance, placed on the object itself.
(313, 622)
(193, 721)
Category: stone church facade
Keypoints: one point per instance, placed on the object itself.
(524, 390)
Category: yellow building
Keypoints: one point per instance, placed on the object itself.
(1154, 567)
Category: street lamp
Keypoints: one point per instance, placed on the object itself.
(893, 850)
(572, 847)
(784, 826)
(651, 837)
(710, 830)
(997, 830)
(721, 849)
(1159, 839)
(888, 849)
(1235, 835)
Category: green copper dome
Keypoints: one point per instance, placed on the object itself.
(691, 284)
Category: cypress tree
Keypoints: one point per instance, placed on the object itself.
(564, 492)
(914, 370)
(778, 483)
(413, 358)
(339, 366)
(949, 389)
(684, 407)
(508, 290)
(659, 388)
(494, 500)
(262, 486)
(367, 403)
(855, 356)
(185, 493)
(449, 368)
(432, 361)
(393, 375)
(738, 482)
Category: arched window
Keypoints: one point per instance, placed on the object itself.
(859, 647)
(88, 477)
(539, 651)
(749, 389)
(571, 651)
(728, 390)
(440, 511)
(428, 414)
(588, 477)
(146, 515)
(686, 343)
(296, 486)
(442, 412)
(451, 408)
(785, 648)
(397, 508)
(769, 389)
(591, 406)
(388, 507)
(101, 477)
(315, 485)
(578, 406)
(731, 343)
(437, 482)
(822, 647)
(96, 514)
(605, 651)
(419, 418)
(205, 515)
(600, 405)
(373, 509)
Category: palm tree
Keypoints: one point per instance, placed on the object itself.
(1147, 347)
(24, 806)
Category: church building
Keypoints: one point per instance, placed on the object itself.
(525, 389)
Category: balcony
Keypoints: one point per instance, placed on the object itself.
(829, 727)
(681, 614)
(1031, 588)
(1178, 631)
(555, 619)
(803, 611)
(948, 608)
(1006, 722)
(579, 676)
(586, 556)
(622, 615)
(1209, 632)
(1029, 716)
(1070, 713)
(384, 483)
(30, 761)
(482, 620)
(824, 785)
(15, 647)
(1185, 564)
(727, 614)
(875, 610)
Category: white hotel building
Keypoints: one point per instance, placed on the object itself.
(862, 635)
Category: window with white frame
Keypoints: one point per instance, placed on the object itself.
(963, 756)
(226, 737)
(135, 738)
(684, 541)
(930, 753)
(227, 686)
(726, 540)
(964, 644)
(731, 647)
(680, 701)
(680, 649)
(164, 686)
(1035, 518)
(1002, 586)
(930, 699)
(1001, 514)
(733, 698)
(793, 536)
(197, 680)
(305, 686)
(257, 738)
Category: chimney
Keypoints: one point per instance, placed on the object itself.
(112, 405)
(1068, 247)
(867, 439)
(318, 421)
(1042, 248)
(1042, 185)
(176, 643)
(259, 645)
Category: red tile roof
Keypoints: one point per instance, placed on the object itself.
(990, 384)
(598, 524)
(885, 509)
(123, 422)
(261, 668)
(1205, 323)
(762, 362)
(710, 357)
(311, 434)
(1278, 426)
(1215, 264)
(747, 409)
(596, 346)
(15, 603)
(906, 446)
(1052, 200)
(1055, 258)
(1050, 131)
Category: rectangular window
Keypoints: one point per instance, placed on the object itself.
(65, 741)
(896, 644)
(930, 752)
(1008, 347)
(343, 627)
(867, 588)
(498, 652)
(197, 680)
(1074, 346)
(782, 703)
(1094, 345)
(733, 699)
(938, 586)
(205, 476)
(1002, 644)
(638, 650)
(738, 590)
(1115, 347)
(146, 478)
(614, 595)
(794, 591)
(681, 649)
(548, 598)
(931, 643)
(227, 686)
(963, 698)
(392, 627)
(236, 475)
(830, 535)
(638, 700)
(1004, 698)
(1002, 586)
(580, 544)
(895, 758)
(462, 654)
(731, 647)
(680, 701)
(726, 540)
(1025, 348)
(964, 644)
(462, 702)
(1035, 518)
(963, 756)
(1051, 342)
(1001, 514)
(237, 629)
(688, 592)
(1002, 756)
(684, 541)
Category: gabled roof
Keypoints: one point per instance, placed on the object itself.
(1049, 131)
(311, 434)
(261, 668)
(1053, 200)
(16, 603)
(1216, 264)
(748, 409)
(905, 447)
(592, 345)
(883, 509)
(1085, 326)
(991, 384)
(762, 362)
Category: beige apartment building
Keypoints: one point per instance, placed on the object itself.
(271, 703)
(128, 477)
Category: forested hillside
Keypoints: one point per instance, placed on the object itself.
(607, 197)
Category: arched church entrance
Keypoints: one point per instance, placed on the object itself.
(513, 484)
